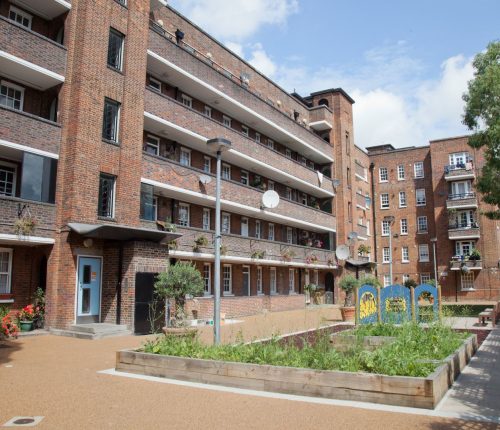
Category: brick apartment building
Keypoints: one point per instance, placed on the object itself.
(105, 110)
(429, 193)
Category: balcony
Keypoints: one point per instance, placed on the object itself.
(360, 172)
(320, 118)
(193, 72)
(47, 9)
(461, 262)
(463, 231)
(30, 58)
(166, 117)
(236, 198)
(459, 172)
(361, 202)
(240, 249)
(362, 231)
(462, 201)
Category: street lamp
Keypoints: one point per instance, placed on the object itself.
(218, 145)
(390, 219)
(434, 241)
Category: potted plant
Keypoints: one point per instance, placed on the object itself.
(475, 255)
(348, 284)
(7, 327)
(25, 318)
(178, 281)
(172, 245)
(199, 242)
(25, 225)
(39, 306)
(364, 249)
(258, 254)
(311, 259)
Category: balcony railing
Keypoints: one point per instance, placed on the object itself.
(462, 200)
(459, 171)
(462, 262)
(463, 231)
(320, 118)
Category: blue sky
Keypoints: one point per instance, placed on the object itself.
(406, 63)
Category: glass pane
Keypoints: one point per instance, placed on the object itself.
(38, 178)
(147, 209)
(106, 189)
(85, 300)
(86, 274)
(4, 278)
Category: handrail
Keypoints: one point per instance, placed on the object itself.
(460, 196)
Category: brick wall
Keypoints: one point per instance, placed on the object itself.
(43, 213)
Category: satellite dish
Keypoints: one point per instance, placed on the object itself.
(352, 235)
(205, 179)
(342, 252)
(270, 199)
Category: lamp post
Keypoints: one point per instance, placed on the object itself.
(218, 145)
(434, 241)
(390, 219)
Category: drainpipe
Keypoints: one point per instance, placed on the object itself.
(119, 285)
(374, 216)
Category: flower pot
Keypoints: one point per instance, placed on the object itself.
(348, 313)
(180, 331)
(26, 325)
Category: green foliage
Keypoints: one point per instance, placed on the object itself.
(370, 280)
(4, 311)
(462, 310)
(412, 354)
(363, 249)
(410, 283)
(348, 283)
(482, 115)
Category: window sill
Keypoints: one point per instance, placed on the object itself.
(384, 209)
(467, 289)
(405, 262)
(114, 69)
(103, 218)
(261, 294)
(424, 261)
(422, 232)
(111, 142)
(6, 300)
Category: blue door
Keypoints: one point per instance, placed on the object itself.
(89, 290)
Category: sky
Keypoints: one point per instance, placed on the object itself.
(406, 63)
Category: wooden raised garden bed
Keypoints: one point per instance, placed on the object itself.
(365, 387)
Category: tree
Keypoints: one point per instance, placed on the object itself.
(180, 279)
(482, 115)
(349, 283)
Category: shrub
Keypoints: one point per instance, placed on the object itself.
(370, 280)
(348, 283)
(409, 283)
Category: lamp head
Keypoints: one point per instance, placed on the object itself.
(219, 144)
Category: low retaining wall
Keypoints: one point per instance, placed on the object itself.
(392, 390)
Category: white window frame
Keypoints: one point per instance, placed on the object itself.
(405, 254)
(187, 101)
(460, 244)
(257, 137)
(425, 278)
(386, 255)
(291, 280)
(403, 226)
(155, 146)
(383, 174)
(271, 234)
(185, 156)
(270, 143)
(15, 88)
(303, 198)
(205, 219)
(259, 281)
(181, 220)
(423, 257)
(382, 206)
(273, 282)
(245, 130)
(406, 277)
(226, 121)
(386, 228)
(401, 172)
(207, 111)
(227, 280)
(289, 194)
(367, 225)
(22, 14)
(387, 280)
(288, 153)
(207, 279)
(467, 281)
(155, 207)
(456, 157)
(14, 176)
(419, 220)
(245, 177)
(244, 222)
(258, 229)
(207, 164)
(289, 235)
(402, 199)
(156, 82)
(418, 199)
(418, 170)
(225, 223)
(8, 251)
(226, 172)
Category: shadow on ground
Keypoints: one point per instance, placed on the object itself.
(7, 348)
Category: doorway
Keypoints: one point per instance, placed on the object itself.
(246, 280)
(88, 305)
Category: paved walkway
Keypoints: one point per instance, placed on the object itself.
(60, 380)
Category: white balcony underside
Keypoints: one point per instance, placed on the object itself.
(13, 239)
(48, 9)
(175, 75)
(196, 141)
(320, 125)
(28, 73)
(182, 194)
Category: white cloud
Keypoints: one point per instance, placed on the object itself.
(237, 48)
(262, 62)
(236, 19)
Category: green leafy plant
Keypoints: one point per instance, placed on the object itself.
(348, 283)
(475, 255)
(410, 283)
(364, 249)
(200, 242)
(370, 280)
(25, 225)
(172, 245)
(310, 288)
(258, 254)
(39, 306)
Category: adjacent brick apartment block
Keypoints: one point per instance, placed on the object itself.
(424, 199)
(105, 111)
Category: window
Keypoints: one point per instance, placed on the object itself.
(149, 203)
(467, 281)
(111, 120)
(21, 17)
(387, 280)
(386, 228)
(459, 159)
(306, 277)
(316, 277)
(303, 160)
(461, 189)
(405, 254)
(270, 143)
(187, 101)
(288, 153)
(270, 231)
(5, 270)
(463, 248)
(401, 172)
(257, 137)
(154, 84)
(185, 158)
(8, 173)
(270, 185)
(227, 279)
(258, 229)
(419, 169)
(425, 278)
(115, 49)
(422, 224)
(206, 219)
(11, 95)
(106, 205)
(272, 280)
(206, 164)
(207, 111)
(291, 280)
(368, 228)
(259, 280)
(226, 121)
(423, 253)
(207, 278)
(386, 255)
(383, 174)
(244, 130)
(402, 199)
(152, 145)
(288, 194)
(38, 181)
(303, 198)
(420, 196)
(406, 278)
(404, 226)
(226, 171)
(289, 235)
(226, 223)
(244, 177)
(183, 215)
(244, 227)
(384, 201)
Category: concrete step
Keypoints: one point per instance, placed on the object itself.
(96, 328)
(92, 331)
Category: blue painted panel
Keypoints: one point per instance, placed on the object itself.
(367, 304)
(395, 304)
(432, 293)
